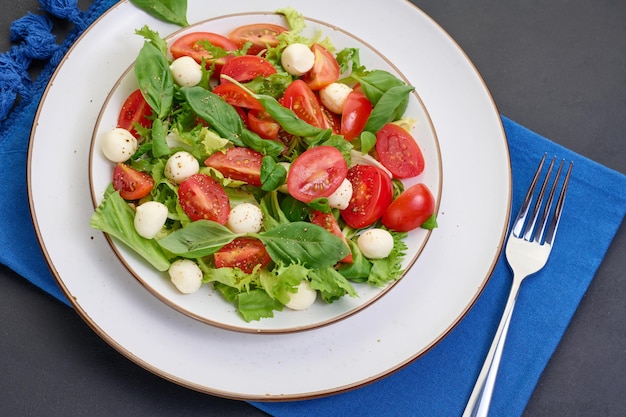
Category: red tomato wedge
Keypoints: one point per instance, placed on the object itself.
(260, 35)
(243, 164)
(261, 123)
(247, 68)
(398, 151)
(237, 96)
(328, 222)
(244, 253)
(356, 111)
(325, 69)
(131, 184)
(410, 210)
(201, 197)
(192, 45)
(134, 110)
(304, 103)
(371, 195)
(316, 173)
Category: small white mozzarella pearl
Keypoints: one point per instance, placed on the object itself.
(181, 166)
(340, 199)
(245, 218)
(334, 96)
(118, 145)
(186, 275)
(375, 243)
(303, 298)
(297, 59)
(150, 218)
(186, 71)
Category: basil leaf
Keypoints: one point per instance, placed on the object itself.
(197, 239)
(159, 144)
(272, 174)
(368, 141)
(375, 83)
(286, 118)
(265, 146)
(155, 79)
(390, 107)
(303, 243)
(222, 117)
(171, 11)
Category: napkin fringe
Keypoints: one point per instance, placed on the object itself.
(34, 42)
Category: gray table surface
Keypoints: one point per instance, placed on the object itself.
(558, 68)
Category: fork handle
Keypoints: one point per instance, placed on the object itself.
(478, 403)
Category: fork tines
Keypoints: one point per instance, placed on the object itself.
(536, 227)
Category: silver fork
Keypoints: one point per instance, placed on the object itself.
(527, 250)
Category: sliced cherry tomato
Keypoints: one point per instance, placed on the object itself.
(304, 103)
(247, 68)
(131, 184)
(410, 209)
(371, 195)
(325, 69)
(192, 45)
(243, 164)
(244, 253)
(398, 151)
(316, 173)
(328, 222)
(261, 35)
(237, 96)
(134, 110)
(356, 111)
(201, 197)
(332, 120)
(261, 123)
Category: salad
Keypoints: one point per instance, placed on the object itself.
(265, 164)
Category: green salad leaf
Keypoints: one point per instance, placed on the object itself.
(171, 11)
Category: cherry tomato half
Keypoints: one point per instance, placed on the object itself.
(191, 45)
(398, 151)
(247, 68)
(237, 96)
(261, 35)
(356, 111)
(316, 173)
(410, 209)
(304, 103)
(371, 195)
(261, 123)
(325, 69)
(131, 184)
(328, 222)
(243, 164)
(244, 253)
(201, 197)
(134, 110)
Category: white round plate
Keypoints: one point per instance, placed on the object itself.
(206, 304)
(422, 308)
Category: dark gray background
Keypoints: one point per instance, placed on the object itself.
(557, 67)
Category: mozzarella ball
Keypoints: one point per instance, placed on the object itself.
(340, 199)
(375, 243)
(186, 71)
(118, 145)
(297, 59)
(186, 275)
(334, 96)
(150, 218)
(303, 298)
(181, 166)
(245, 218)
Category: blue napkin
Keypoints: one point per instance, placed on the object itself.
(439, 383)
